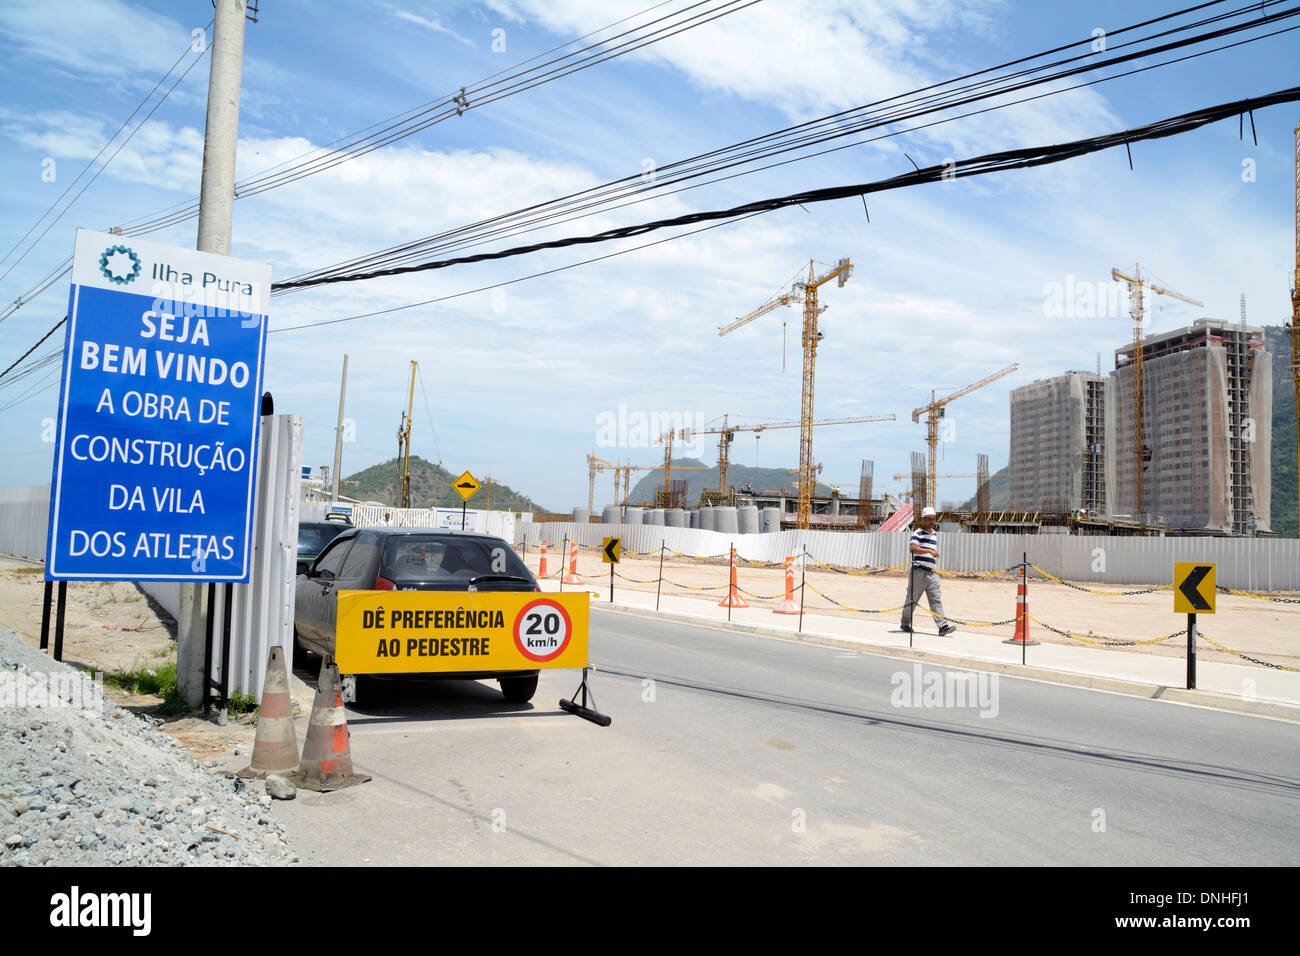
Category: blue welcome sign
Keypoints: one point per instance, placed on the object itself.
(155, 458)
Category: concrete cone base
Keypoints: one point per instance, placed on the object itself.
(303, 781)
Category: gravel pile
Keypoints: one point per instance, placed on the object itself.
(94, 785)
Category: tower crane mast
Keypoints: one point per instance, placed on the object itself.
(805, 292)
(935, 411)
(1140, 454)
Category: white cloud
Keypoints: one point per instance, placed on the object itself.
(429, 23)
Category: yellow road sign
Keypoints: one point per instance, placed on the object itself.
(466, 486)
(611, 550)
(418, 632)
(1193, 588)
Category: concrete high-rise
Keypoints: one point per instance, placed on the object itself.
(1057, 444)
(1208, 424)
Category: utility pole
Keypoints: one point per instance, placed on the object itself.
(216, 212)
(338, 433)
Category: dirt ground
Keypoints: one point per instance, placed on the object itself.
(1267, 630)
(111, 626)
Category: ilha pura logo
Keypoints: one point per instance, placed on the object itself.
(119, 264)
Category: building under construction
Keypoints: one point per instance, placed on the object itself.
(1057, 460)
(1208, 425)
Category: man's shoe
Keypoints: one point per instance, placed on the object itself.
(946, 630)
(905, 628)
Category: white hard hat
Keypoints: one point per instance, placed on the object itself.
(928, 512)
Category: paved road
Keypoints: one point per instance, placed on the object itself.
(746, 750)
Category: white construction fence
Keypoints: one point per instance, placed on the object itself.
(1248, 564)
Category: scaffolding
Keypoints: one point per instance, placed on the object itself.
(1057, 443)
(864, 494)
(918, 481)
(1206, 467)
(1093, 490)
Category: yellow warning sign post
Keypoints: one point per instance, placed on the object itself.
(467, 487)
(1194, 591)
(420, 632)
(611, 552)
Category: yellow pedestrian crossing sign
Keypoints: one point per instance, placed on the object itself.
(1193, 588)
(611, 550)
(466, 486)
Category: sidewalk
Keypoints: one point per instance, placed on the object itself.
(1243, 688)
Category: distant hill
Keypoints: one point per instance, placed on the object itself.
(763, 479)
(430, 488)
(1283, 500)
(999, 492)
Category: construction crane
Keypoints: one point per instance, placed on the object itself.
(807, 293)
(593, 466)
(727, 433)
(1295, 314)
(1141, 454)
(622, 473)
(404, 442)
(935, 411)
(488, 482)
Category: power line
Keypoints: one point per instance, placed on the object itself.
(107, 142)
(501, 285)
(178, 213)
(814, 135)
(814, 132)
(92, 179)
(977, 166)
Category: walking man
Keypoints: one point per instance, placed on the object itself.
(923, 577)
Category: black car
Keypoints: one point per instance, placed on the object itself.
(407, 559)
(313, 536)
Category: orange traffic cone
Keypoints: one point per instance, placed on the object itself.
(326, 754)
(788, 606)
(733, 598)
(1022, 614)
(276, 748)
(541, 568)
(572, 576)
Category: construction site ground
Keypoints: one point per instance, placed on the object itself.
(1265, 629)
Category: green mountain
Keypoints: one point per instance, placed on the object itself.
(430, 488)
(763, 479)
(999, 492)
(1278, 342)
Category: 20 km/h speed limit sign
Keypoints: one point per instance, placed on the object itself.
(542, 630)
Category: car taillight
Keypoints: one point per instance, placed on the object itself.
(536, 586)
(383, 584)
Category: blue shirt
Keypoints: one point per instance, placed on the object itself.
(925, 539)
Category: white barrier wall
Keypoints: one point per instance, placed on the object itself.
(500, 523)
(1259, 564)
(24, 521)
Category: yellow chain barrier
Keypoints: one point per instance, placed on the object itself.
(1098, 640)
(1254, 660)
(1080, 587)
(1261, 597)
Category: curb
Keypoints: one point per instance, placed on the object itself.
(1274, 710)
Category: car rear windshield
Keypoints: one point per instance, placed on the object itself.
(312, 538)
(433, 556)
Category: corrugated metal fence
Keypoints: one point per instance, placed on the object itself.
(24, 521)
(1262, 564)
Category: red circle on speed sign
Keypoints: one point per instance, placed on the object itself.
(542, 630)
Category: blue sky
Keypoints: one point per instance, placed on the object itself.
(950, 280)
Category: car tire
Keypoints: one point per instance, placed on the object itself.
(518, 690)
